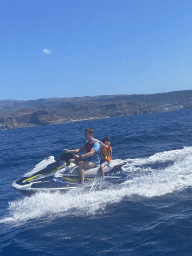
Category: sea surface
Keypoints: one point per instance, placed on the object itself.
(149, 213)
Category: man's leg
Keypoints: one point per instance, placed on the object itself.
(102, 170)
(83, 165)
(81, 171)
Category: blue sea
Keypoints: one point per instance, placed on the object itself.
(149, 213)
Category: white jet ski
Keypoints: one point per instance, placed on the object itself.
(62, 175)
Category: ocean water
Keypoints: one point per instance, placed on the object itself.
(150, 213)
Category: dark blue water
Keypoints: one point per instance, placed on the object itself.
(148, 214)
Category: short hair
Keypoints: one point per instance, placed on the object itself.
(106, 139)
(89, 130)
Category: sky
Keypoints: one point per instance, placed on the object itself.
(76, 48)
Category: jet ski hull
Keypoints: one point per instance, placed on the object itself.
(50, 176)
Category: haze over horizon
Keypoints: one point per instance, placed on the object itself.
(87, 96)
(88, 48)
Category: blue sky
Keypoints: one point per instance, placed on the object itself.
(85, 48)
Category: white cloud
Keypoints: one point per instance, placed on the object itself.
(47, 51)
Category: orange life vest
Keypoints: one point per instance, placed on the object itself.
(106, 154)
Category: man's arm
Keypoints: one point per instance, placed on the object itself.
(89, 154)
(102, 144)
(75, 151)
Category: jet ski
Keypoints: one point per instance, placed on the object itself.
(61, 175)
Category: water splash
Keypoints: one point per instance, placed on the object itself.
(169, 171)
(143, 180)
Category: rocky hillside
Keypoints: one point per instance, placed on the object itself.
(15, 114)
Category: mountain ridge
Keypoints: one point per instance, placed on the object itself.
(20, 113)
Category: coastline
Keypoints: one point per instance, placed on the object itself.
(20, 114)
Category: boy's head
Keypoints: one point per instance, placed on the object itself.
(106, 140)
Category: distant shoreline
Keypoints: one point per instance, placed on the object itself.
(18, 114)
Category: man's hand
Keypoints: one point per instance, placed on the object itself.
(77, 158)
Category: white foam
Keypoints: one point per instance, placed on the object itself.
(76, 202)
(143, 181)
(150, 182)
(161, 157)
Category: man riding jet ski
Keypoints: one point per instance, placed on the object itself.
(92, 156)
(65, 173)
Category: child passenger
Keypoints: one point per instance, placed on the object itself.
(106, 151)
